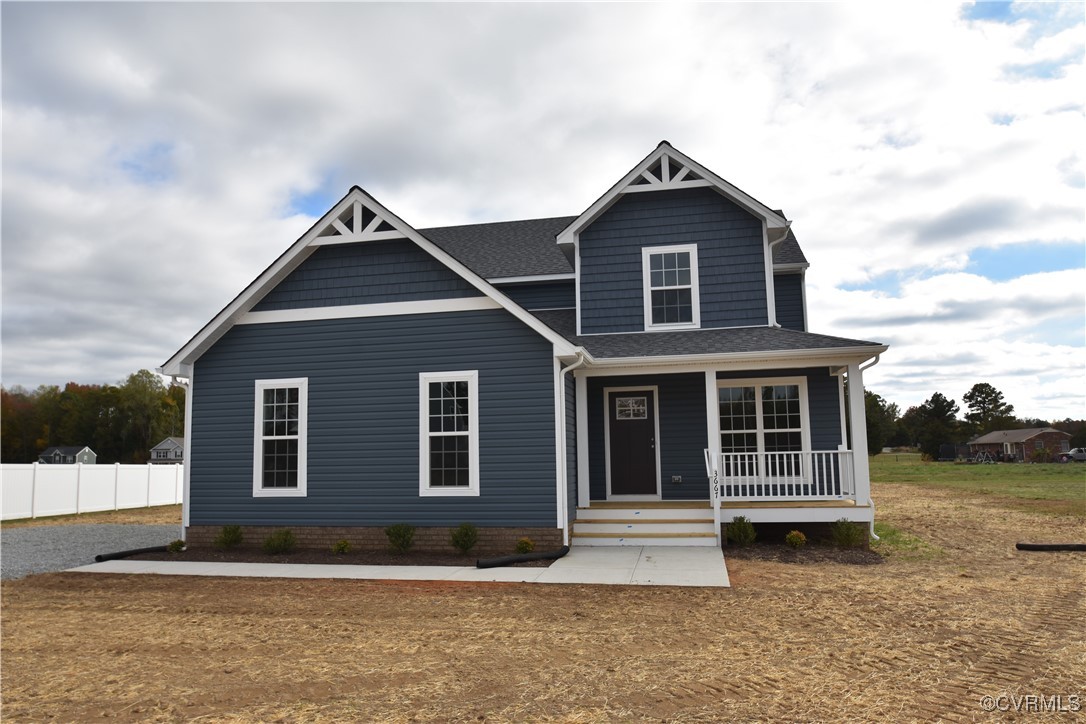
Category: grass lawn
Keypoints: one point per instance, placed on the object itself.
(157, 515)
(1053, 487)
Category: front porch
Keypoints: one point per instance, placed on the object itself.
(664, 457)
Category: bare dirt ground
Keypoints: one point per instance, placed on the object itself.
(921, 637)
(158, 515)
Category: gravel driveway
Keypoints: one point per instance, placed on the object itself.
(41, 549)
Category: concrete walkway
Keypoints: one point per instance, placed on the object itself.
(638, 566)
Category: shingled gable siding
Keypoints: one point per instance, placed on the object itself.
(369, 273)
(788, 294)
(730, 258)
(542, 295)
(683, 434)
(363, 462)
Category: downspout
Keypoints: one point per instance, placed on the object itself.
(870, 501)
(563, 474)
(187, 384)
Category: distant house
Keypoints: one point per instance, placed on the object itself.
(69, 455)
(1021, 444)
(169, 451)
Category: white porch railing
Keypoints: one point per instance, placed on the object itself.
(783, 476)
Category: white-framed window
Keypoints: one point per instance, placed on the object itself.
(162, 454)
(279, 454)
(178, 453)
(764, 415)
(670, 286)
(449, 433)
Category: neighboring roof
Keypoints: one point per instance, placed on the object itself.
(64, 450)
(526, 248)
(1012, 436)
(735, 340)
(171, 442)
(506, 248)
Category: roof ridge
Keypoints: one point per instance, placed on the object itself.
(495, 223)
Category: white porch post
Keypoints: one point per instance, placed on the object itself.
(712, 424)
(858, 425)
(583, 495)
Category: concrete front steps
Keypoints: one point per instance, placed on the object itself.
(645, 523)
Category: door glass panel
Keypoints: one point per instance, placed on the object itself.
(631, 408)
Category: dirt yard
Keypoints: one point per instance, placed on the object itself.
(954, 614)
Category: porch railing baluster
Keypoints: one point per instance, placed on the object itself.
(797, 475)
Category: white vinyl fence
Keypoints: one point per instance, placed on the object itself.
(36, 490)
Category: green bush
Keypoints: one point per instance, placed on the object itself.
(741, 531)
(847, 534)
(230, 537)
(341, 547)
(281, 541)
(525, 545)
(465, 537)
(176, 546)
(796, 539)
(401, 537)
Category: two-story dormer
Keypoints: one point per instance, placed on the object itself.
(637, 374)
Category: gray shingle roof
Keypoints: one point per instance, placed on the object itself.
(527, 248)
(704, 341)
(506, 248)
(1014, 435)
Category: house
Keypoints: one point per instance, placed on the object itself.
(169, 451)
(1022, 445)
(639, 373)
(68, 455)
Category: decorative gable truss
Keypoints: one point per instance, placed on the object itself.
(356, 223)
(666, 174)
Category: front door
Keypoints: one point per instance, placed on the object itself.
(631, 420)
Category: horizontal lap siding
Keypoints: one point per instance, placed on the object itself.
(544, 295)
(571, 446)
(731, 259)
(683, 434)
(368, 273)
(823, 401)
(363, 467)
(788, 294)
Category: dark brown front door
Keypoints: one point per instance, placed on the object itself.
(631, 417)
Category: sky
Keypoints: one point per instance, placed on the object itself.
(157, 157)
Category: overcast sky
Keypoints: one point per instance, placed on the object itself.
(157, 157)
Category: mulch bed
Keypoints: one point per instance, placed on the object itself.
(809, 554)
(354, 558)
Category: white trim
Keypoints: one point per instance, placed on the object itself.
(259, 491)
(533, 278)
(559, 444)
(708, 178)
(841, 412)
(790, 268)
(298, 252)
(654, 331)
(742, 360)
(857, 420)
(770, 292)
(607, 439)
(584, 490)
(472, 378)
(383, 309)
(647, 252)
(758, 383)
(186, 480)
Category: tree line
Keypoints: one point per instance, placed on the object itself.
(935, 422)
(119, 422)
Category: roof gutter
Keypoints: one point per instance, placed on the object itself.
(560, 437)
(837, 352)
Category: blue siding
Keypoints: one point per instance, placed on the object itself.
(364, 420)
(683, 435)
(571, 447)
(368, 273)
(731, 259)
(823, 403)
(788, 294)
(542, 295)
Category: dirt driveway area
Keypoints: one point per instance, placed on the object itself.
(955, 617)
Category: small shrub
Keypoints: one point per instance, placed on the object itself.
(176, 546)
(281, 541)
(525, 545)
(847, 534)
(796, 539)
(464, 537)
(741, 531)
(230, 537)
(401, 537)
(341, 547)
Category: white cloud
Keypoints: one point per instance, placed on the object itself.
(152, 153)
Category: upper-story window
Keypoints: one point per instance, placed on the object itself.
(670, 280)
